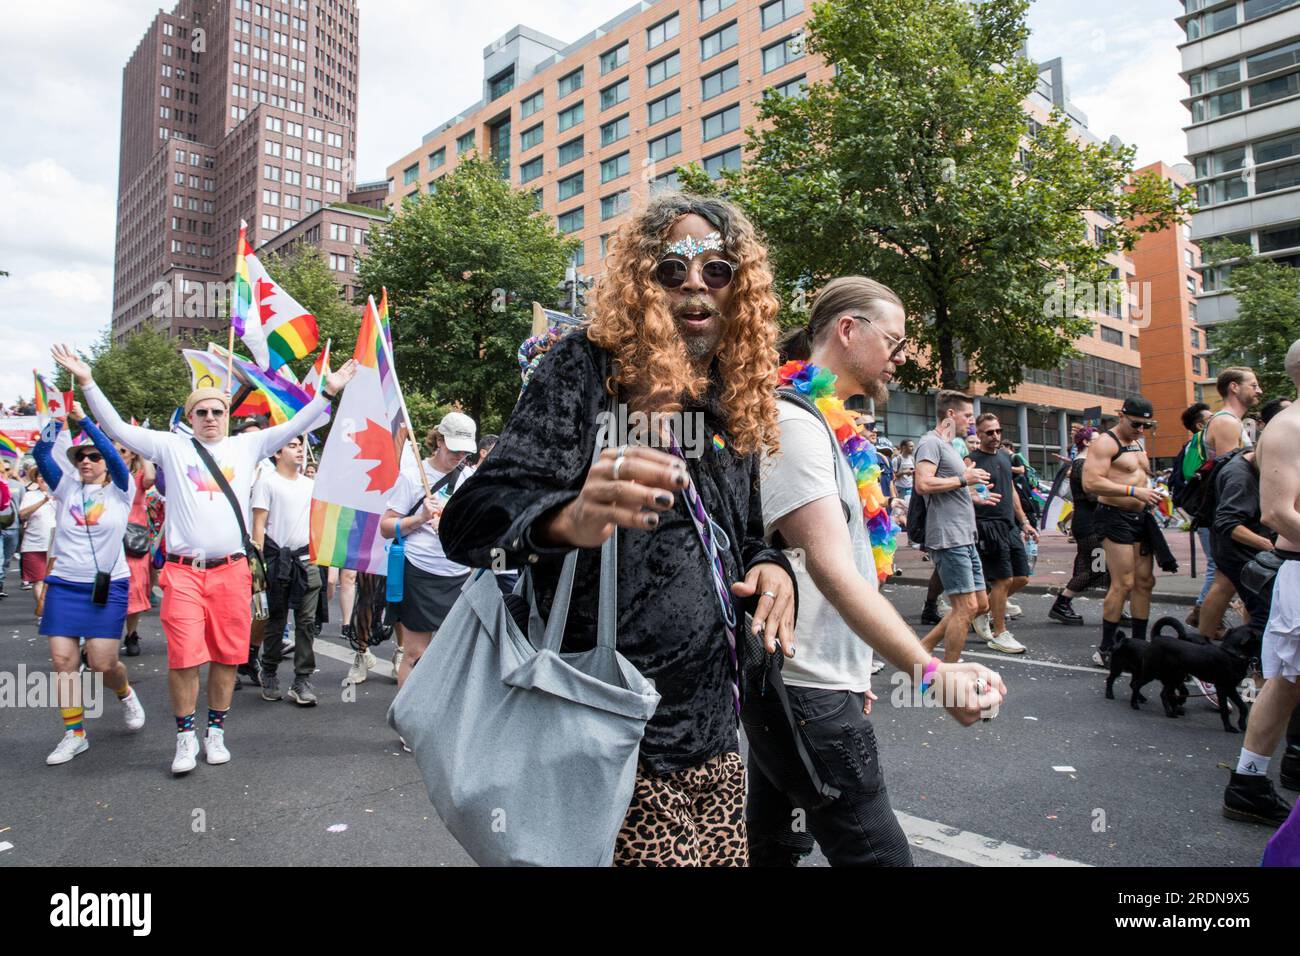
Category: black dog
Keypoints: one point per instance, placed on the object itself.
(1172, 660)
(1126, 658)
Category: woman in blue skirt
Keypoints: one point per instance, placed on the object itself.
(86, 589)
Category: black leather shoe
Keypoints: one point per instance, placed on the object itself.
(131, 646)
(249, 673)
(930, 615)
(1064, 612)
(1252, 798)
(1290, 772)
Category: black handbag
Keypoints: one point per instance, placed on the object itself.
(1258, 573)
(136, 540)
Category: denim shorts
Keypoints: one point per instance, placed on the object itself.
(960, 571)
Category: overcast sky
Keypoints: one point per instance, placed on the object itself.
(421, 62)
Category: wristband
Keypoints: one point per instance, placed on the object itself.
(927, 675)
(1129, 492)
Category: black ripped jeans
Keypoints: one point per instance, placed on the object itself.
(785, 815)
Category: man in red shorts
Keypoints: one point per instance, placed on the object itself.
(206, 610)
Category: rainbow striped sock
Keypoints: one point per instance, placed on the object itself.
(74, 720)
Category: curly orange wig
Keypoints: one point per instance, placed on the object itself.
(630, 317)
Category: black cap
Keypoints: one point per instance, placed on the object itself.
(1138, 407)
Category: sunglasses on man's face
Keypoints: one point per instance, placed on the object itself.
(1141, 426)
(210, 412)
(89, 456)
(991, 431)
(716, 273)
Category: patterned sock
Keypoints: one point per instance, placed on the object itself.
(185, 724)
(73, 720)
(1140, 628)
(217, 719)
(1253, 764)
(125, 692)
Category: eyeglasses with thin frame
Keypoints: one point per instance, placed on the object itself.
(210, 412)
(672, 273)
(897, 345)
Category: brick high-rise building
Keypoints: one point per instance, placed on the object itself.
(231, 109)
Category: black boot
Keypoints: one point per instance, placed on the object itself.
(1252, 798)
(930, 614)
(132, 645)
(1063, 611)
(1290, 772)
(250, 670)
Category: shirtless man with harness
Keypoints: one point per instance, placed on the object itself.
(1117, 472)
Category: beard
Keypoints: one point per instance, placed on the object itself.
(703, 339)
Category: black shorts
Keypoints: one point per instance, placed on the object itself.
(1002, 551)
(426, 598)
(1122, 527)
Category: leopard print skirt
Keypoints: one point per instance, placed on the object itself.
(691, 817)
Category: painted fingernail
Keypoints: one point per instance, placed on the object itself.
(758, 628)
(652, 520)
(664, 500)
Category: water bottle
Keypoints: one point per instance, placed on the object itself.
(1031, 546)
(395, 585)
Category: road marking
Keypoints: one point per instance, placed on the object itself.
(1025, 660)
(6, 846)
(973, 848)
(347, 656)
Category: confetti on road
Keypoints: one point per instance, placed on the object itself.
(336, 827)
(1030, 718)
(6, 846)
(1064, 769)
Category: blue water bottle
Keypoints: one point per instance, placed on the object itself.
(396, 568)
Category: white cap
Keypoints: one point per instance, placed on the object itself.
(458, 430)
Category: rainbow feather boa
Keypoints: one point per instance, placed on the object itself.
(819, 385)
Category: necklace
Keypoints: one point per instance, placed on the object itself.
(819, 385)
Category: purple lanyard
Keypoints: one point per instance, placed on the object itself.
(708, 532)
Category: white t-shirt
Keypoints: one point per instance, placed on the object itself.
(287, 503)
(89, 526)
(423, 546)
(830, 655)
(39, 527)
(200, 521)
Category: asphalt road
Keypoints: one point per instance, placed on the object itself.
(329, 785)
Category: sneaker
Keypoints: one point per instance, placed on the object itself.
(1014, 611)
(131, 645)
(405, 745)
(357, 672)
(1290, 772)
(271, 686)
(1101, 660)
(187, 750)
(1193, 618)
(215, 745)
(249, 673)
(1063, 611)
(930, 615)
(133, 711)
(71, 745)
(1252, 798)
(1208, 691)
(983, 629)
(877, 665)
(371, 659)
(26, 586)
(944, 606)
(1007, 644)
(302, 694)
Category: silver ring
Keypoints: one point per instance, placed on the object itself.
(770, 594)
(618, 460)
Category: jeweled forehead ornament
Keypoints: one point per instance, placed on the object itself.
(690, 247)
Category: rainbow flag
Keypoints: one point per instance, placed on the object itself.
(9, 448)
(290, 329)
(383, 317)
(373, 351)
(319, 370)
(345, 538)
(245, 313)
(273, 394)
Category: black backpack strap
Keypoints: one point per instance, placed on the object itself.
(224, 485)
(441, 483)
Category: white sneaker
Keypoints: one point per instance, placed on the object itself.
(133, 711)
(398, 654)
(215, 746)
(71, 745)
(1014, 610)
(187, 752)
(944, 605)
(877, 665)
(371, 660)
(357, 672)
(983, 628)
(1007, 644)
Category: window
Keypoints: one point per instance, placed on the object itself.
(409, 174)
(709, 7)
(613, 95)
(1275, 89)
(531, 105)
(611, 206)
(1283, 147)
(571, 117)
(661, 70)
(530, 137)
(1283, 237)
(438, 158)
(570, 187)
(665, 182)
(614, 130)
(271, 197)
(663, 31)
(580, 255)
(1191, 284)
(614, 167)
(714, 165)
(722, 122)
(1133, 342)
(719, 40)
(570, 151)
(1270, 60)
(530, 170)
(665, 106)
(1189, 259)
(795, 89)
(665, 146)
(778, 11)
(720, 81)
(570, 82)
(779, 54)
(1277, 177)
(613, 59)
(570, 221)
(1259, 8)
(465, 143)
(501, 84)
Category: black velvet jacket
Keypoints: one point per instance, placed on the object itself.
(669, 623)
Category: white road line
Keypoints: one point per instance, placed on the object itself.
(6, 846)
(1019, 659)
(973, 848)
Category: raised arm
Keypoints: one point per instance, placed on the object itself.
(142, 441)
(117, 469)
(43, 453)
(275, 438)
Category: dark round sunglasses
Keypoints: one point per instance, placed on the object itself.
(89, 456)
(672, 273)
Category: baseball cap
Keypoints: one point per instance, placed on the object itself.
(458, 430)
(1137, 407)
(204, 395)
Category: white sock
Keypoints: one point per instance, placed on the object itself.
(1255, 765)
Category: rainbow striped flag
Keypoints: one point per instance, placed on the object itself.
(383, 317)
(319, 370)
(245, 313)
(9, 448)
(290, 329)
(273, 395)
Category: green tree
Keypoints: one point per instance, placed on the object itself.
(463, 266)
(917, 165)
(144, 377)
(1268, 315)
(306, 276)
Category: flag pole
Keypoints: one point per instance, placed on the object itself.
(230, 360)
